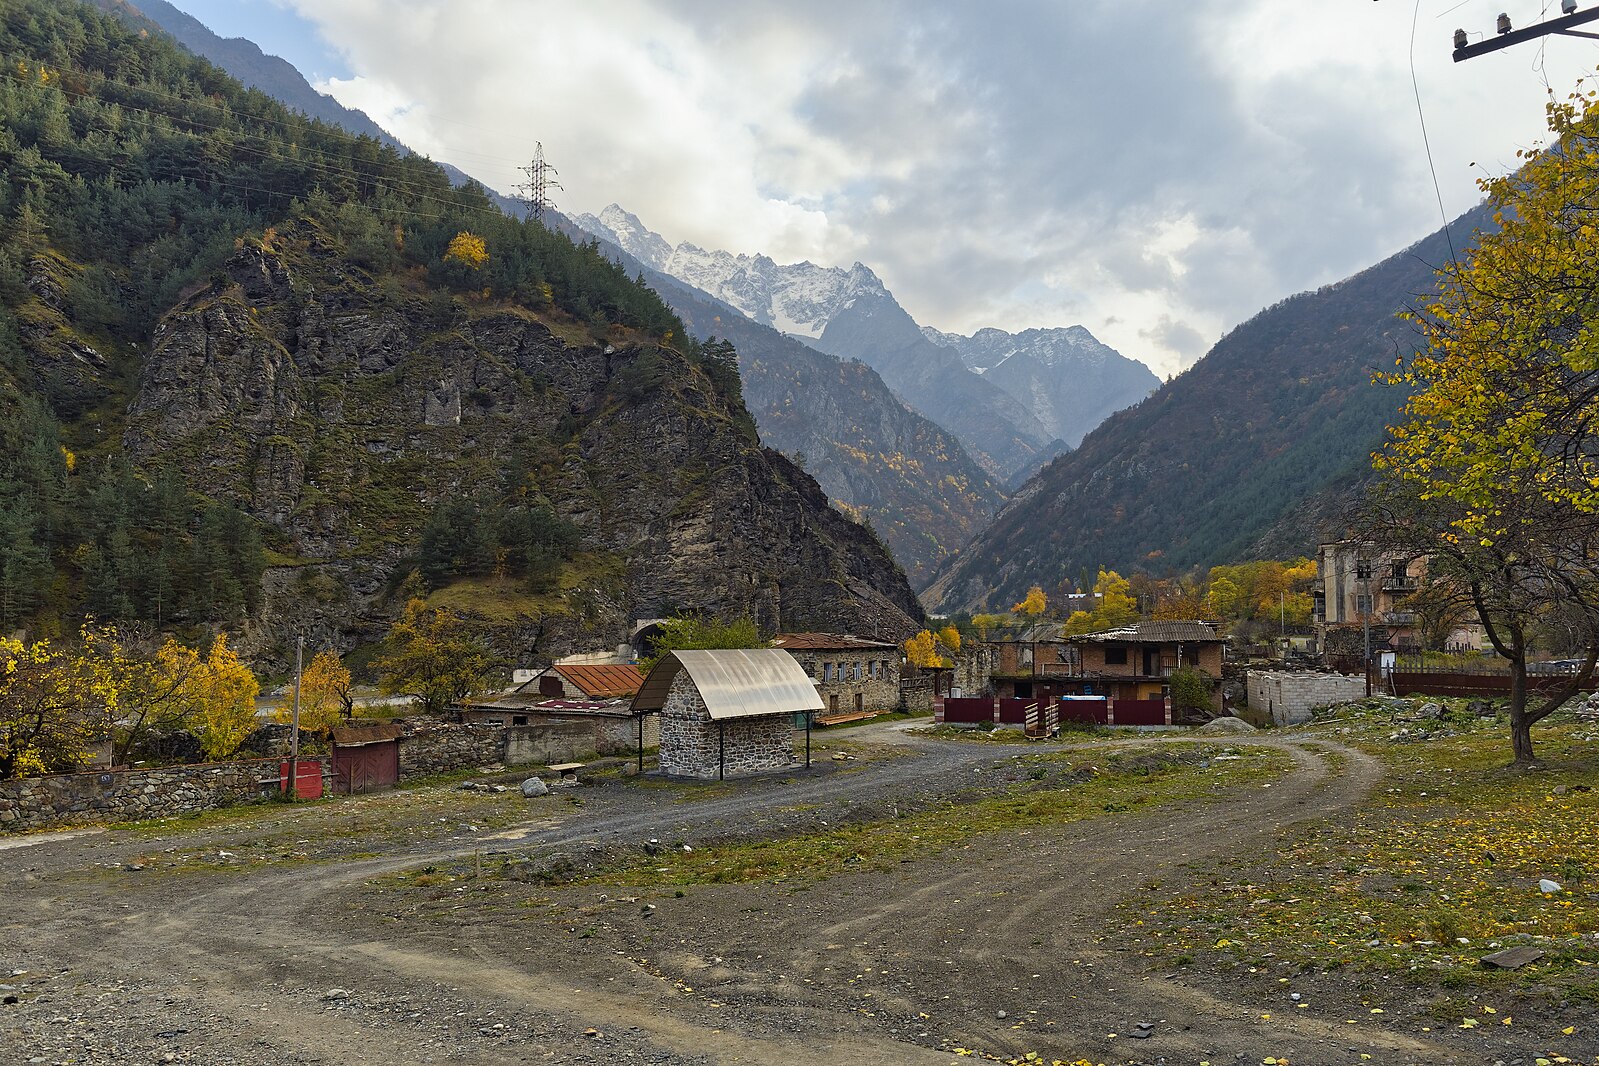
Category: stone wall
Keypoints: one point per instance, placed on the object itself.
(916, 694)
(429, 746)
(864, 679)
(692, 745)
(126, 795)
(1286, 698)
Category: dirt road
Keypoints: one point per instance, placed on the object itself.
(1000, 947)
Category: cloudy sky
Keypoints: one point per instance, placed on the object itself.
(1155, 171)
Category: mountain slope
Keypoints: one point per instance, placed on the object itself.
(849, 313)
(214, 311)
(1248, 447)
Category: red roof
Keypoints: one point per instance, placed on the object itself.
(604, 682)
(827, 642)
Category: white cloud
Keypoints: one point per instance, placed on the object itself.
(1157, 172)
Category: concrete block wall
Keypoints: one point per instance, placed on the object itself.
(1288, 697)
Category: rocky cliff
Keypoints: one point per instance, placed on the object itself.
(338, 407)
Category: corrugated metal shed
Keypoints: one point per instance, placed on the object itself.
(602, 682)
(734, 682)
(1156, 633)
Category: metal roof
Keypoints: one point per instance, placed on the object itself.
(827, 642)
(360, 734)
(1157, 633)
(602, 681)
(734, 682)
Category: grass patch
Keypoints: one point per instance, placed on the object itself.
(1439, 867)
(1117, 784)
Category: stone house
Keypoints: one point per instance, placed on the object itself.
(727, 712)
(854, 676)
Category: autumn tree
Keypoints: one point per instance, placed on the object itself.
(431, 655)
(1494, 471)
(212, 695)
(467, 249)
(950, 638)
(325, 698)
(56, 700)
(922, 651)
(1034, 605)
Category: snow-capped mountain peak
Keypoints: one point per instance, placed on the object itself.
(794, 298)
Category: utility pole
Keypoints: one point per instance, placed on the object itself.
(535, 191)
(294, 721)
(1506, 36)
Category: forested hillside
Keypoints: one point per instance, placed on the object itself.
(244, 357)
(1248, 451)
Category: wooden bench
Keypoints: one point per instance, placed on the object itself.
(840, 719)
(566, 771)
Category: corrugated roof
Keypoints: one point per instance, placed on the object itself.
(602, 682)
(1158, 633)
(356, 735)
(734, 683)
(827, 642)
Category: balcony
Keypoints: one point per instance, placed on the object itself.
(1400, 584)
(1399, 618)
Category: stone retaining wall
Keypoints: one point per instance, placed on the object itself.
(126, 795)
(428, 746)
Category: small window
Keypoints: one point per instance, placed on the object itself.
(858, 671)
(1362, 603)
(1363, 569)
(1115, 655)
(520, 719)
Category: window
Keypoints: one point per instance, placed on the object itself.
(1115, 655)
(871, 670)
(857, 671)
(520, 719)
(1027, 655)
(1363, 569)
(1362, 603)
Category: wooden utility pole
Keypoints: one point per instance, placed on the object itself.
(1505, 36)
(294, 721)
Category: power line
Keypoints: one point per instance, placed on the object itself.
(1506, 36)
(536, 189)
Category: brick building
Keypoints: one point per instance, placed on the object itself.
(1131, 663)
(854, 676)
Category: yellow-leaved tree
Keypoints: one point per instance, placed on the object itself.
(432, 656)
(950, 638)
(468, 249)
(325, 698)
(56, 700)
(212, 695)
(1033, 605)
(922, 650)
(1493, 474)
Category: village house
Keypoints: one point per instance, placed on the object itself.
(1363, 592)
(728, 712)
(854, 676)
(567, 711)
(1130, 663)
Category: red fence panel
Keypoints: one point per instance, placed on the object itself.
(968, 710)
(307, 779)
(1013, 711)
(1140, 712)
(1084, 709)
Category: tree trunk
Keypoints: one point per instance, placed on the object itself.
(1520, 723)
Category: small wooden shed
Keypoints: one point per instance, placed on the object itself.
(726, 712)
(366, 757)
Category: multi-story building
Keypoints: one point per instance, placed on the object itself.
(852, 674)
(1363, 588)
(1133, 662)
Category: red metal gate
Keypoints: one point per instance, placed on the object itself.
(367, 767)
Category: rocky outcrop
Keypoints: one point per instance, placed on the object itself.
(339, 408)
